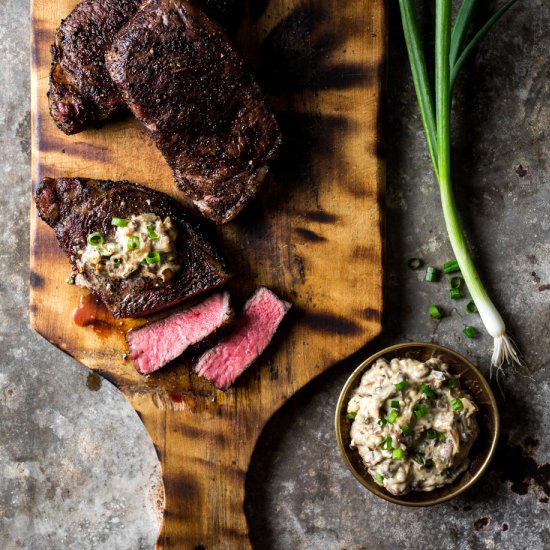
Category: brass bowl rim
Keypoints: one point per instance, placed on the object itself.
(344, 451)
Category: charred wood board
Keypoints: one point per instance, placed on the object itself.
(313, 236)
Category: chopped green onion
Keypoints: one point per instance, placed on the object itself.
(471, 307)
(119, 222)
(435, 312)
(451, 266)
(398, 454)
(392, 417)
(415, 263)
(382, 422)
(386, 444)
(431, 434)
(470, 332)
(151, 233)
(405, 429)
(432, 274)
(456, 404)
(419, 458)
(394, 404)
(379, 478)
(451, 383)
(70, 280)
(455, 282)
(442, 436)
(153, 257)
(435, 111)
(117, 261)
(95, 239)
(134, 243)
(427, 391)
(351, 415)
(421, 410)
(455, 293)
(403, 385)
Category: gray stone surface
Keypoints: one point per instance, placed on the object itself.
(77, 469)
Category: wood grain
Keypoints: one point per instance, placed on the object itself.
(314, 237)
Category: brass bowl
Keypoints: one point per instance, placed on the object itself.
(487, 417)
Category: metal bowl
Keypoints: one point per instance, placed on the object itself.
(487, 417)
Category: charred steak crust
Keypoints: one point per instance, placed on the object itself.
(81, 91)
(182, 78)
(76, 207)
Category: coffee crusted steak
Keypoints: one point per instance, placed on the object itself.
(155, 345)
(78, 207)
(82, 93)
(181, 77)
(261, 316)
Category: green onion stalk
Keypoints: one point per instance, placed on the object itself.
(451, 51)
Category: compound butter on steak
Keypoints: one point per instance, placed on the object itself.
(132, 247)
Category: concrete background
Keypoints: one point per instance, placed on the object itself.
(77, 470)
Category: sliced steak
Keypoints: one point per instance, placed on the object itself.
(261, 316)
(81, 92)
(77, 208)
(156, 344)
(182, 78)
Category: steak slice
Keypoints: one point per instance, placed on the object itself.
(156, 344)
(81, 92)
(181, 77)
(77, 207)
(261, 316)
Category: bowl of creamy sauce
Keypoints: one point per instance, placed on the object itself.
(417, 424)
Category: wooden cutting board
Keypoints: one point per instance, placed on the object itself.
(314, 237)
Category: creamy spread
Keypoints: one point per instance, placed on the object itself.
(412, 424)
(142, 245)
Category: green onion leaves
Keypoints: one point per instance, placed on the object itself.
(406, 429)
(379, 478)
(398, 454)
(435, 312)
(351, 415)
(403, 385)
(134, 243)
(470, 332)
(119, 222)
(392, 417)
(151, 232)
(96, 239)
(451, 266)
(421, 410)
(419, 458)
(427, 391)
(386, 444)
(432, 274)
(153, 257)
(456, 404)
(471, 307)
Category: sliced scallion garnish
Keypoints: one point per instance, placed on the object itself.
(456, 404)
(394, 404)
(119, 222)
(403, 385)
(392, 417)
(471, 307)
(406, 429)
(427, 391)
(398, 454)
(153, 257)
(432, 274)
(451, 266)
(379, 478)
(382, 422)
(134, 243)
(451, 383)
(455, 293)
(419, 458)
(431, 434)
(421, 410)
(151, 233)
(96, 239)
(386, 444)
(351, 415)
(435, 312)
(470, 332)
(455, 282)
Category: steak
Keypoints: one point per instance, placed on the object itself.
(182, 78)
(81, 92)
(77, 208)
(261, 316)
(156, 344)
